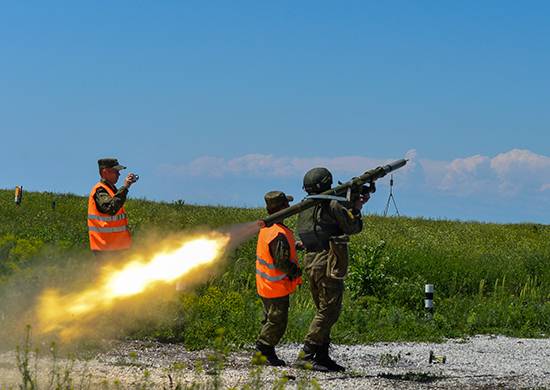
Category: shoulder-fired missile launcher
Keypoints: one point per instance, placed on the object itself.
(361, 185)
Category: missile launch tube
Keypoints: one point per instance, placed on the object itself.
(340, 190)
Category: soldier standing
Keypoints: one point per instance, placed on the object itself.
(277, 276)
(324, 231)
(107, 219)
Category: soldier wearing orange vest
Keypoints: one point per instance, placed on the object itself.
(107, 219)
(277, 276)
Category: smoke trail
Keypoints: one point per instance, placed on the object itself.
(65, 298)
(190, 260)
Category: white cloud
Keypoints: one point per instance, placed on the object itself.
(271, 166)
(465, 175)
(520, 159)
(518, 168)
(506, 174)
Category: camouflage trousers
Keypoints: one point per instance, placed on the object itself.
(327, 294)
(275, 320)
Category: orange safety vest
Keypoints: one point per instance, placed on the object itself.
(271, 282)
(107, 232)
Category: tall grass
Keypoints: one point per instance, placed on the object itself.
(489, 278)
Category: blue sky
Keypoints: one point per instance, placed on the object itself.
(219, 102)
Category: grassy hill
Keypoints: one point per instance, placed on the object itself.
(489, 278)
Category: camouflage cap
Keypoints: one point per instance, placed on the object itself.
(276, 200)
(110, 163)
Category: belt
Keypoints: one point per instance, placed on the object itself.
(322, 246)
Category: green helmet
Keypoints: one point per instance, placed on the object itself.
(317, 180)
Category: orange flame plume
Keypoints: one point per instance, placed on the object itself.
(62, 313)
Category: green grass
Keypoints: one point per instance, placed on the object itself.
(489, 278)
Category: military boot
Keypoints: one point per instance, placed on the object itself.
(306, 359)
(324, 359)
(270, 355)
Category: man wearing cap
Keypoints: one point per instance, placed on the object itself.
(107, 220)
(277, 276)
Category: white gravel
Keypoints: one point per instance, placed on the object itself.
(484, 362)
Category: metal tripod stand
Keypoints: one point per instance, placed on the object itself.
(391, 199)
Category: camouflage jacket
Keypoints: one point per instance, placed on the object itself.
(279, 248)
(108, 204)
(339, 220)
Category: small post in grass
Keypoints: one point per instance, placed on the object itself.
(18, 195)
(429, 300)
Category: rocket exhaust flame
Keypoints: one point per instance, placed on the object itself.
(65, 313)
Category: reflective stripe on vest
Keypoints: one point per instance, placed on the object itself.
(270, 281)
(107, 219)
(270, 278)
(108, 229)
(263, 262)
(107, 232)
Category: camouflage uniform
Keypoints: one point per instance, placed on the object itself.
(107, 204)
(326, 267)
(323, 231)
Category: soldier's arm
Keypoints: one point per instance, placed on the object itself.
(108, 204)
(349, 220)
(279, 248)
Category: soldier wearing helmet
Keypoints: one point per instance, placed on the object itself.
(324, 232)
(317, 180)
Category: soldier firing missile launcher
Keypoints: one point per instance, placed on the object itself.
(358, 185)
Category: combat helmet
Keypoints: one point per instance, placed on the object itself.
(317, 180)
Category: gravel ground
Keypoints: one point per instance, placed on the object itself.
(481, 362)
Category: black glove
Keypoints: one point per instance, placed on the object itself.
(294, 271)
